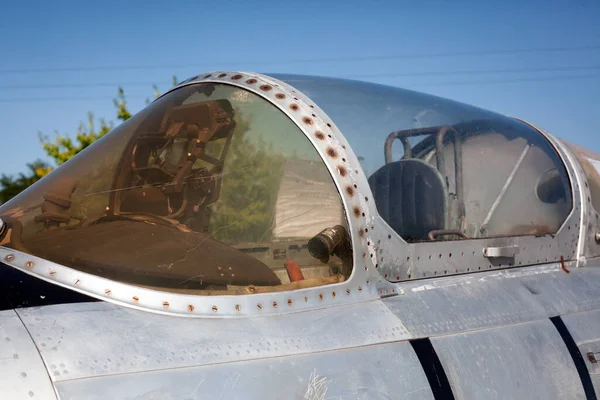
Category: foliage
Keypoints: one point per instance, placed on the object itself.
(245, 211)
(12, 186)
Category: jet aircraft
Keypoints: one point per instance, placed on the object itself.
(250, 236)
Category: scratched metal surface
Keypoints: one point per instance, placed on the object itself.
(457, 304)
(524, 361)
(94, 339)
(22, 373)
(585, 330)
(390, 371)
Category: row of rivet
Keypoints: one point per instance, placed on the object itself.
(191, 308)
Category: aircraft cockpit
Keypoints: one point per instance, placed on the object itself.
(233, 184)
(210, 190)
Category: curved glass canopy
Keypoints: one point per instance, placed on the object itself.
(211, 188)
(443, 170)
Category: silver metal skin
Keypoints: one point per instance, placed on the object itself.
(488, 323)
(506, 363)
(23, 375)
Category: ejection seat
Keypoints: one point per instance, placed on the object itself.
(411, 197)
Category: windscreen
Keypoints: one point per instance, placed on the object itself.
(211, 188)
(443, 170)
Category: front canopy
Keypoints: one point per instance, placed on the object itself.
(209, 188)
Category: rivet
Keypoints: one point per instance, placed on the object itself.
(294, 107)
(307, 121)
(347, 291)
(350, 191)
(333, 294)
(320, 296)
(251, 81)
(77, 282)
(280, 96)
(29, 264)
(107, 292)
(360, 288)
(289, 302)
(598, 237)
(236, 77)
(259, 306)
(265, 88)
(215, 309)
(52, 272)
(9, 257)
(305, 299)
(222, 75)
(238, 307)
(274, 304)
(319, 135)
(331, 152)
(165, 304)
(191, 308)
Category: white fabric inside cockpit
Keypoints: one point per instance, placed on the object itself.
(307, 200)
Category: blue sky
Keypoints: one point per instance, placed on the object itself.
(47, 46)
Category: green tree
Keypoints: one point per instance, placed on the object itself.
(253, 171)
(12, 186)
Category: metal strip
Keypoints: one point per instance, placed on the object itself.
(431, 364)
(578, 360)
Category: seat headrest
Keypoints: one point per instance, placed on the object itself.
(411, 197)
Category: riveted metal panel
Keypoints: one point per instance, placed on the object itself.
(524, 361)
(22, 372)
(92, 339)
(585, 330)
(376, 372)
(462, 303)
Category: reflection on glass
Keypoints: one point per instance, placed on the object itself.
(209, 189)
(442, 170)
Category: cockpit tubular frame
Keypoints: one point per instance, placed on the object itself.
(380, 255)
